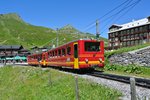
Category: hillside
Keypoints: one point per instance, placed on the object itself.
(68, 29)
(13, 30)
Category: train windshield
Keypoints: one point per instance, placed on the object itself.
(92, 46)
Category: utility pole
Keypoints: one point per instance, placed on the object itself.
(97, 29)
(57, 36)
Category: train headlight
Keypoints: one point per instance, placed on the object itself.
(86, 60)
(100, 59)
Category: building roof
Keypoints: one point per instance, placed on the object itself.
(115, 25)
(8, 47)
(135, 23)
(132, 24)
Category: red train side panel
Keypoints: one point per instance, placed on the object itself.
(76, 55)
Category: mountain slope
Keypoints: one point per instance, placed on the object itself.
(13, 30)
(68, 29)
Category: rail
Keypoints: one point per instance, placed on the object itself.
(126, 79)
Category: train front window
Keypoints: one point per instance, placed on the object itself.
(92, 46)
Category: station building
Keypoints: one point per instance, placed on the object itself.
(13, 52)
(129, 34)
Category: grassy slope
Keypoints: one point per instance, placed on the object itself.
(32, 84)
(13, 30)
(125, 49)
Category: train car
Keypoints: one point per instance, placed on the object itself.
(34, 59)
(80, 54)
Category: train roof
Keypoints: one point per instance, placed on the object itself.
(66, 44)
(74, 41)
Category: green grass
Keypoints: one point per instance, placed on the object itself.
(130, 70)
(20, 83)
(125, 49)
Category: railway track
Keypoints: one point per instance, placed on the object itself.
(126, 79)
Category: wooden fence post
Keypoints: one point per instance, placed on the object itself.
(133, 89)
(76, 87)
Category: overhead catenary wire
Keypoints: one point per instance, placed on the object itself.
(121, 10)
(118, 18)
(128, 6)
(89, 26)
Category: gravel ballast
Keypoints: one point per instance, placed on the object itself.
(142, 93)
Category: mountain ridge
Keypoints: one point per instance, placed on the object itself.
(14, 30)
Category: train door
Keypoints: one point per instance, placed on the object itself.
(44, 58)
(76, 60)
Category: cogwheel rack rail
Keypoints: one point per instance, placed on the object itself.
(126, 79)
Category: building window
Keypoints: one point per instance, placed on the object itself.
(116, 44)
(120, 43)
(110, 39)
(121, 33)
(141, 41)
(116, 39)
(149, 27)
(132, 31)
(110, 44)
(124, 37)
(124, 32)
(145, 28)
(136, 36)
(110, 35)
(113, 34)
(141, 35)
(145, 34)
(141, 29)
(128, 31)
(121, 38)
(128, 43)
(136, 42)
(136, 29)
(128, 37)
(124, 43)
(132, 36)
(132, 42)
(113, 44)
(116, 34)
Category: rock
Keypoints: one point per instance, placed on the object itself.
(140, 58)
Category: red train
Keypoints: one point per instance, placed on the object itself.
(80, 54)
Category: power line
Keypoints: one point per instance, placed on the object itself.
(128, 5)
(93, 23)
(121, 10)
(127, 10)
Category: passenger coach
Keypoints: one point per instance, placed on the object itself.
(80, 54)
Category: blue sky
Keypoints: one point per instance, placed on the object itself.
(79, 13)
